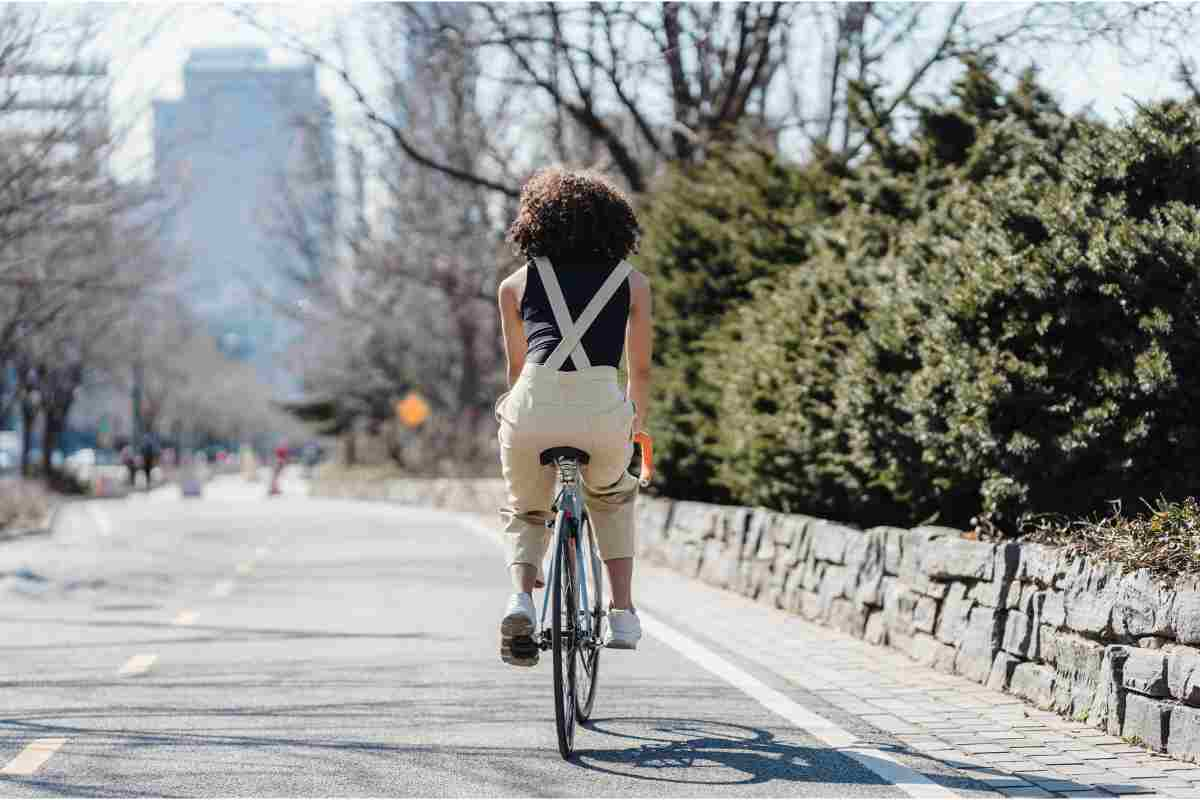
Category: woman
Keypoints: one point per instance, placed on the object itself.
(567, 316)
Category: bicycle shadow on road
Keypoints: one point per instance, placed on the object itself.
(706, 752)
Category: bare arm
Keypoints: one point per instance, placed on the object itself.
(639, 345)
(511, 326)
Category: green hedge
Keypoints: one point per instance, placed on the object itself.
(710, 230)
(1000, 314)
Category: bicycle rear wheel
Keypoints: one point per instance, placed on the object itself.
(588, 669)
(565, 645)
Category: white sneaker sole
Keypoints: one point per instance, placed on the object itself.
(516, 626)
(620, 644)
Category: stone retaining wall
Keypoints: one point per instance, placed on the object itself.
(1117, 651)
(1067, 634)
(483, 495)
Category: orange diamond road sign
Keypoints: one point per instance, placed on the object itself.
(412, 410)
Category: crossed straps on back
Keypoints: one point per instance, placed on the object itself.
(572, 331)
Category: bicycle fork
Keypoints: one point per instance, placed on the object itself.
(582, 627)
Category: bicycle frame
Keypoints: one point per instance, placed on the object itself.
(574, 513)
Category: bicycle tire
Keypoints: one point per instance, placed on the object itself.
(564, 640)
(589, 660)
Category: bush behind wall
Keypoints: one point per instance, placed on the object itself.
(1000, 314)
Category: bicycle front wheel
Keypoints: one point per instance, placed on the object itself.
(587, 672)
(565, 644)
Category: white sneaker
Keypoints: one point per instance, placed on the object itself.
(517, 646)
(625, 629)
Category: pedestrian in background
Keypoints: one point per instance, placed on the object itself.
(150, 451)
(281, 459)
(129, 461)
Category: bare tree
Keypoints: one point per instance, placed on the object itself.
(410, 306)
(647, 83)
(58, 202)
(878, 61)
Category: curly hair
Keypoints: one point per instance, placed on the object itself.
(573, 216)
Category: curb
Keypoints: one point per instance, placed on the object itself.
(45, 529)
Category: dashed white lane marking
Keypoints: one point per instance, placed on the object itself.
(262, 552)
(883, 764)
(100, 518)
(138, 665)
(185, 618)
(245, 568)
(29, 760)
(223, 589)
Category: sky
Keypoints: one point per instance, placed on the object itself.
(149, 44)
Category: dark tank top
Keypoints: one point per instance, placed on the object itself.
(604, 340)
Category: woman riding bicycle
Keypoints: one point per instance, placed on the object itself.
(567, 316)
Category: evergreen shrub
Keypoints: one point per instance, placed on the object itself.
(709, 231)
(1023, 338)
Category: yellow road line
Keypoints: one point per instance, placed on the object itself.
(29, 760)
(138, 665)
(185, 618)
(245, 568)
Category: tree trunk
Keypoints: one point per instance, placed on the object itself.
(52, 428)
(28, 418)
(470, 385)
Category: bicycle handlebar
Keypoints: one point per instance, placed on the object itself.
(647, 444)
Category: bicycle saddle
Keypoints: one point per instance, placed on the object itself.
(555, 453)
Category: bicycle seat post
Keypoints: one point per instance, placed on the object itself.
(568, 469)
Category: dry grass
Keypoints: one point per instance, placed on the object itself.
(1164, 539)
(23, 504)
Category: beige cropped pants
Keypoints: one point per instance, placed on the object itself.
(585, 409)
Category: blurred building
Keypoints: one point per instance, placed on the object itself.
(245, 158)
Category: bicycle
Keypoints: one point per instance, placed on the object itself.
(574, 594)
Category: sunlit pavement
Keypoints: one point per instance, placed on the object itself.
(240, 644)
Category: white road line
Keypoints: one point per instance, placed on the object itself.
(185, 618)
(29, 760)
(223, 589)
(100, 518)
(262, 552)
(138, 665)
(883, 764)
(245, 568)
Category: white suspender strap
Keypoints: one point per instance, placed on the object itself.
(572, 332)
(562, 317)
(607, 290)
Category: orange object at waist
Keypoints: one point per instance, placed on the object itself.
(647, 444)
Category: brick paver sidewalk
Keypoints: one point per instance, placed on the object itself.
(994, 738)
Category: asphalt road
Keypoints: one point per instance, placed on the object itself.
(244, 646)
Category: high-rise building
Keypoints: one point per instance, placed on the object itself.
(245, 160)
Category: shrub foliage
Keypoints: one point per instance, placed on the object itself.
(710, 230)
(999, 313)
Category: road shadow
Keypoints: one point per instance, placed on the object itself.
(54, 788)
(705, 752)
(198, 634)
